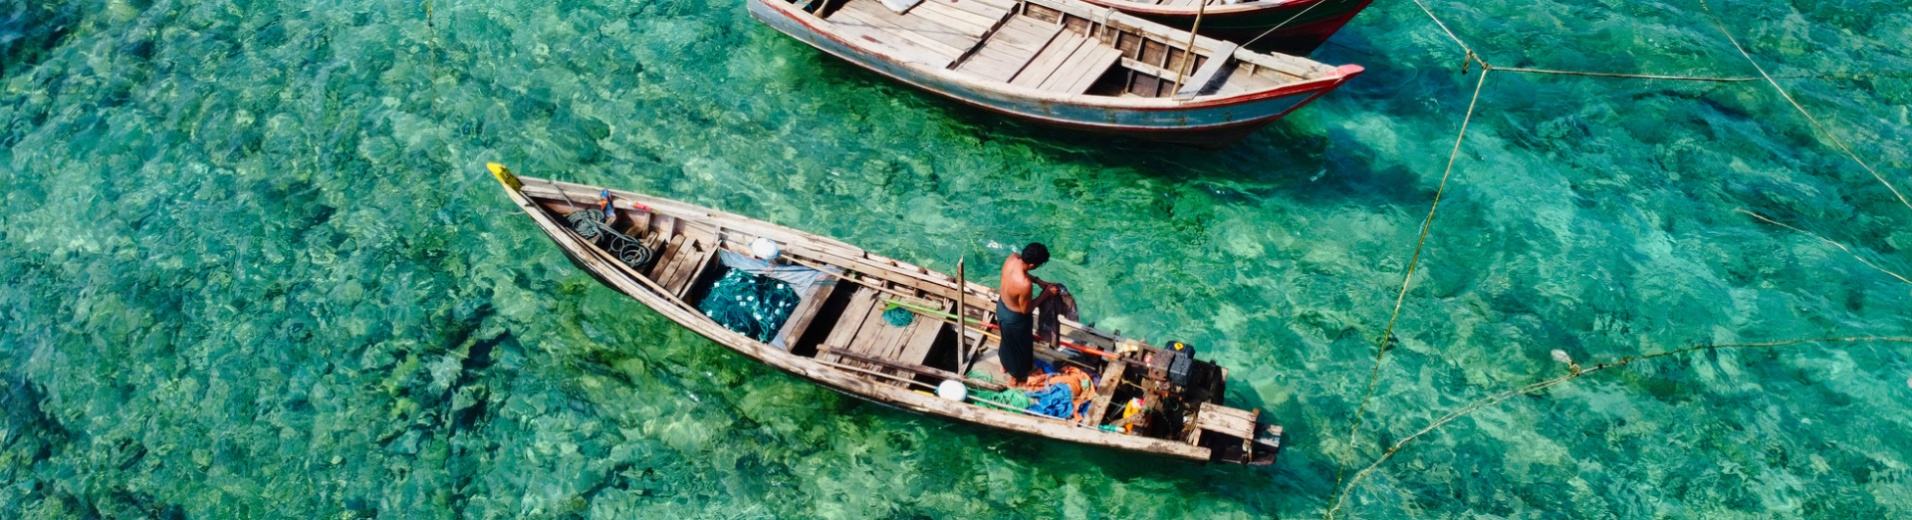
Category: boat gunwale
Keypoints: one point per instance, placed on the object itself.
(594, 260)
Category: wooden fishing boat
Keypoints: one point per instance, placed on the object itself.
(666, 255)
(1288, 26)
(1064, 63)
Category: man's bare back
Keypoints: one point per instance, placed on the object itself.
(1017, 286)
(1016, 294)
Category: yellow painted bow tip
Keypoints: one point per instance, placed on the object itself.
(504, 176)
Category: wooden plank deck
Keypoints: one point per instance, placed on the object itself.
(1050, 59)
(911, 346)
(682, 284)
(901, 44)
(664, 260)
(805, 313)
(1080, 72)
(851, 322)
(1011, 48)
(1069, 63)
(874, 16)
(935, 32)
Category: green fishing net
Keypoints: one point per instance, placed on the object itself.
(749, 304)
(1010, 398)
(899, 317)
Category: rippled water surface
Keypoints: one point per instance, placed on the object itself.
(254, 267)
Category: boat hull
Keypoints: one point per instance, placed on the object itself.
(1210, 123)
(1304, 24)
(606, 270)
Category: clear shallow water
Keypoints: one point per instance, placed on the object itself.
(255, 268)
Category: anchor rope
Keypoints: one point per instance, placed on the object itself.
(1575, 372)
(1842, 247)
(1836, 142)
(1427, 224)
(1344, 486)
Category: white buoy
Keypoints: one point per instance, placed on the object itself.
(765, 249)
(952, 390)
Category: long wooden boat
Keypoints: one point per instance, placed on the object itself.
(1289, 26)
(839, 337)
(1064, 63)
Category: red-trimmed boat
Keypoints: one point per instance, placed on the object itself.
(1063, 63)
(1288, 26)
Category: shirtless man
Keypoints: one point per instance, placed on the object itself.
(1017, 353)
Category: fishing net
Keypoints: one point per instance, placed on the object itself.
(750, 304)
(1009, 398)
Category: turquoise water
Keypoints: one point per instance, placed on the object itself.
(255, 268)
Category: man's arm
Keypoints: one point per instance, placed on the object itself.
(1048, 291)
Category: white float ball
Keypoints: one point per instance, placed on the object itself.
(765, 249)
(952, 390)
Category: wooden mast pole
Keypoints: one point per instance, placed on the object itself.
(962, 325)
(1188, 53)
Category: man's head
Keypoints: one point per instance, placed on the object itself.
(1035, 254)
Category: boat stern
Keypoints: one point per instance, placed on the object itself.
(1267, 444)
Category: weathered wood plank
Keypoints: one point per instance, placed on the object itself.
(1006, 5)
(691, 251)
(851, 321)
(934, 37)
(895, 45)
(916, 344)
(663, 261)
(1052, 56)
(1111, 380)
(980, 9)
(689, 277)
(640, 224)
(1071, 65)
(870, 334)
(988, 66)
(805, 312)
(925, 370)
(1230, 421)
(1026, 35)
(884, 345)
(1091, 68)
(1010, 49)
(1204, 75)
(962, 21)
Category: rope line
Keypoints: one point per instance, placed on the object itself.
(1802, 110)
(1619, 74)
(1450, 32)
(1575, 373)
(1283, 23)
(1842, 247)
(1343, 486)
(1427, 224)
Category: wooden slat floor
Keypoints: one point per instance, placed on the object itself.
(935, 32)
